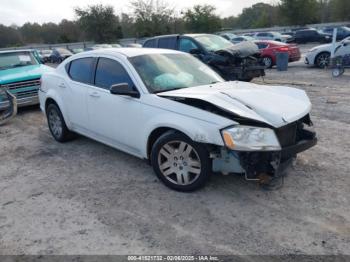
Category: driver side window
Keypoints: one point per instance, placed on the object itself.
(110, 72)
(186, 45)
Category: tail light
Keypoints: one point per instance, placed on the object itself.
(283, 49)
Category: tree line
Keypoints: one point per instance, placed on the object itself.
(99, 23)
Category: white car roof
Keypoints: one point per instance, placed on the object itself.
(131, 52)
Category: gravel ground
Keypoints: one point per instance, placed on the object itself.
(83, 197)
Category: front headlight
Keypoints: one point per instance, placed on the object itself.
(249, 138)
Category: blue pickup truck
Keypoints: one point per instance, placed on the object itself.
(20, 73)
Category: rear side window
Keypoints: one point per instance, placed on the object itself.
(167, 42)
(81, 70)
(150, 43)
(110, 72)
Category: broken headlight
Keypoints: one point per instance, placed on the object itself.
(249, 138)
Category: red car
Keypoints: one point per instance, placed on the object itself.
(269, 49)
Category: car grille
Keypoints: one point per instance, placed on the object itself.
(17, 86)
(287, 135)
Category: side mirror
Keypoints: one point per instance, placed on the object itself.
(195, 51)
(123, 89)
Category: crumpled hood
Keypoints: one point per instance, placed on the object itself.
(274, 105)
(243, 49)
(22, 73)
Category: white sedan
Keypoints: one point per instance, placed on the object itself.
(320, 56)
(170, 108)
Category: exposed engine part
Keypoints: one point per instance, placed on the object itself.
(10, 102)
(240, 62)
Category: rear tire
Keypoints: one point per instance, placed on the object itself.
(180, 163)
(267, 61)
(57, 125)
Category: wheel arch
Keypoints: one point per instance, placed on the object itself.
(158, 132)
(320, 53)
(51, 98)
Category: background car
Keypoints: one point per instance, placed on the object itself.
(227, 35)
(20, 73)
(101, 46)
(77, 50)
(233, 62)
(320, 55)
(269, 49)
(59, 54)
(45, 55)
(342, 32)
(274, 36)
(133, 45)
(311, 35)
(241, 38)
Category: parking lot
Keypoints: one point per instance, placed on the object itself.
(83, 197)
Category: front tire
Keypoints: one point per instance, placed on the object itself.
(57, 125)
(180, 163)
(322, 60)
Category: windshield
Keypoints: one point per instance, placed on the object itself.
(213, 42)
(166, 72)
(17, 59)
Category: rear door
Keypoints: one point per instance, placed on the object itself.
(167, 42)
(80, 72)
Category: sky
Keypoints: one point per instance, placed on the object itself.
(41, 11)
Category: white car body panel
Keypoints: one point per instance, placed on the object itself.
(126, 122)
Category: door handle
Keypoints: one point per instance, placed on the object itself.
(62, 85)
(94, 94)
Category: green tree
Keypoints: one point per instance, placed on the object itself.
(340, 10)
(99, 23)
(300, 12)
(202, 18)
(9, 36)
(258, 16)
(152, 17)
(31, 33)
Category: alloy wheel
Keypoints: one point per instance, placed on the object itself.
(179, 163)
(267, 62)
(323, 60)
(55, 123)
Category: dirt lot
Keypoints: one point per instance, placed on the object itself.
(86, 198)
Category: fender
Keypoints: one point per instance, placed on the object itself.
(197, 130)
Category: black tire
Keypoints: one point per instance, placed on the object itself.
(267, 61)
(319, 60)
(199, 151)
(64, 135)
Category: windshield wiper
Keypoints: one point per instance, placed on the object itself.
(172, 89)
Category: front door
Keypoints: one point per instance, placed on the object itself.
(115, 119)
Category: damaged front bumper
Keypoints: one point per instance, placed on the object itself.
(254, 164)
(8, 106)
